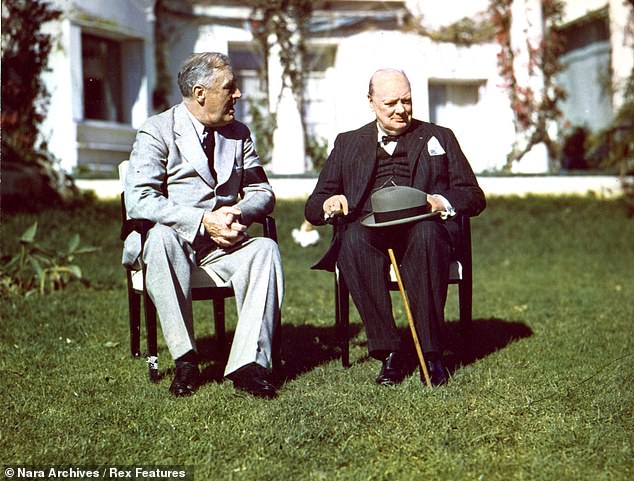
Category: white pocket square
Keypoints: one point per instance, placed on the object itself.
(434, 147)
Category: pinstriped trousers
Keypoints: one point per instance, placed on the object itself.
(423, 251)
(254, 270)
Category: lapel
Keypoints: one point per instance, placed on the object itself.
(363, 165)
(224, 155)
(189, 145)
(417, 139)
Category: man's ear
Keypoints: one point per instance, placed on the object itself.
(370, 103)
(199, 92)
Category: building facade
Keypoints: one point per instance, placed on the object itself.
(116, 62)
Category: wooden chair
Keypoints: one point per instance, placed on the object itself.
(460, 273)
(206, 285)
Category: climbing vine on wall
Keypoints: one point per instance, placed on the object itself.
(534, 111)
(283, 22)
(466, 31)
(31, 174)
(25, 51)
(161, 92)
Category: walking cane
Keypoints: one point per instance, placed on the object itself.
(419, 351)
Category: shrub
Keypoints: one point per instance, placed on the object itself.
(614, 145)
(317, 150)
(38, 269)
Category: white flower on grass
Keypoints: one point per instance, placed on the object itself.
(305, 236)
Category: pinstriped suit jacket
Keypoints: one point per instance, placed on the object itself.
(169, 180)
(351, 166)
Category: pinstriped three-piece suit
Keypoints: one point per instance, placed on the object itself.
(170, 182)
(435, 165)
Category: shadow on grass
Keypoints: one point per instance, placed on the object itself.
(303, 348)
(465, 345)
(211, 356)
(480, 339)
(307, 346)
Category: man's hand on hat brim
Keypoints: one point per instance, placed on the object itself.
(436, 203)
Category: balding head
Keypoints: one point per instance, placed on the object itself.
(390, 99)
(385, 73)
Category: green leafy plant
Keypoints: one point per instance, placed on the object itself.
(38, 269)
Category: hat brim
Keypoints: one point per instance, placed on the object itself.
(369, 221)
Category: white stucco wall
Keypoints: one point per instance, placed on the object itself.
(70, 137)
(487, 134)
(575, 9)
(485, 131)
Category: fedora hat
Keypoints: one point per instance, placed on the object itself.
(397, 205)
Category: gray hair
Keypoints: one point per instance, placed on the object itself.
(199, 68)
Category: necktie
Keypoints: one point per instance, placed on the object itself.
(386, 139)
(208, 148)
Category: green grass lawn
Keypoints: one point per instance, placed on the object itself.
(547, 395)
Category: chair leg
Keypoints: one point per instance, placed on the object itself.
(465, 299)
(219, 323)
(342, 317)
(277, 344)
(134, 312)
(150, 327)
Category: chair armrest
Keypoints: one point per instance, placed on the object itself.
(269, 228)
(462, 251)
(465, 238)
(142, 226)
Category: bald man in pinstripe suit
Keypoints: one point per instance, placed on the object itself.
(396, 149)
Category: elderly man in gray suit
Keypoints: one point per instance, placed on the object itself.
(194, 172)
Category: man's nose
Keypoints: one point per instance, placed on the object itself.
(400, 108)
(237, 94)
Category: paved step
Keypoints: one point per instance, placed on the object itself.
(602, 186)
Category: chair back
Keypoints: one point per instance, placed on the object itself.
(123, 170)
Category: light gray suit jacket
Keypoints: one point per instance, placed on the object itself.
(169, 180)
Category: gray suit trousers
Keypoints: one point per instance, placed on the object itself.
(254, 271)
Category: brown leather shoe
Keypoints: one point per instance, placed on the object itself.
(393, 370)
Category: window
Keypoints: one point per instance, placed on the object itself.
(248, 66)
(448, 101)
(586, 76)
(458, 104)
(101, 64)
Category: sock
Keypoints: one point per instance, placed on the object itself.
(431, 356)
(189, 356)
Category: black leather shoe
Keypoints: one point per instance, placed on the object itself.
(437, 373)
(186, 379)
(255, 380)
(392, 372)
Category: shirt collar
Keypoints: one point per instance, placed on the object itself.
(380, 133)
(198, 126)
